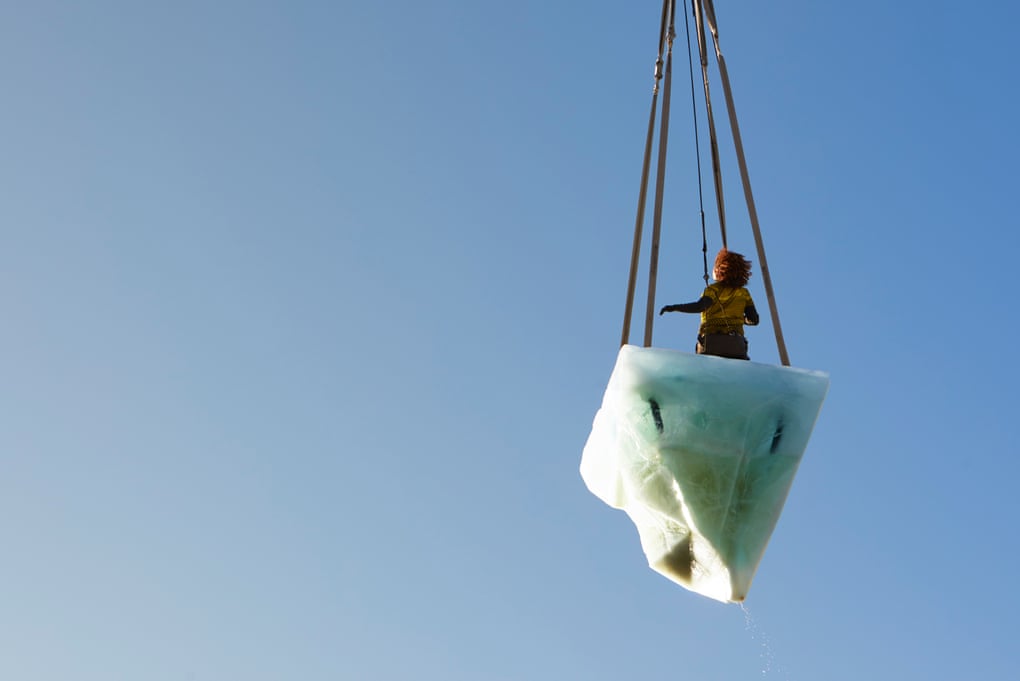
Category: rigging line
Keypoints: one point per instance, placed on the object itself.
(660, 181)
(745, 179)
(697, 149)
(712, 137)
(643, 190)
(667, 15)
(639, 220)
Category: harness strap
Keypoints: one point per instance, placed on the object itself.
(738, 145)
(643, 191)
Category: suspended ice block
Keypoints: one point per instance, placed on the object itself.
(700, 452)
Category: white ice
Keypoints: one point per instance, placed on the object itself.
(700, 452)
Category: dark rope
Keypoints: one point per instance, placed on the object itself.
(697, 149)
(720, 202)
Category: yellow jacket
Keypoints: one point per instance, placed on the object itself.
(727, 310)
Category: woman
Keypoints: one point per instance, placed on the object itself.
(725, 308)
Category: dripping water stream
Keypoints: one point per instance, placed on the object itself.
(769, 668)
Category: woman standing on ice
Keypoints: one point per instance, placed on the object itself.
(725, 308)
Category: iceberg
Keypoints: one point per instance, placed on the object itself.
(701, 452)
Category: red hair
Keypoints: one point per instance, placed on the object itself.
(732, 268)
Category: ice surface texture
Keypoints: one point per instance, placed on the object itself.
(700, 452)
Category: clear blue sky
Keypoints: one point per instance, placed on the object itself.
(309, 306)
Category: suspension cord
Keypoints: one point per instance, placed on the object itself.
(720, 204)
(745, 179)
(697, 149)
(660, 180)
(643, 191)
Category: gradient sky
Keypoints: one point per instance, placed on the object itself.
(309, 307)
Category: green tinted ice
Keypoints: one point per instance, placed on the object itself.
(700, 452)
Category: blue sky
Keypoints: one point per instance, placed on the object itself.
(309, 307)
